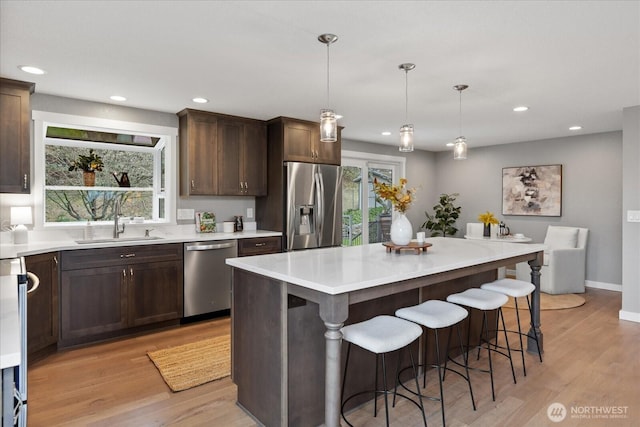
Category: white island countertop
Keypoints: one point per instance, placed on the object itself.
(346, 269)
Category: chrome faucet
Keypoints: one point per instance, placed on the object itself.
(116, 219)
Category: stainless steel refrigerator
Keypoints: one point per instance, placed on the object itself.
(313, 206)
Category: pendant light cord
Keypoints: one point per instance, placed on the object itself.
(460, 115)
(406, 96)
(328, 99)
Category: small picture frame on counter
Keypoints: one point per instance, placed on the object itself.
(205, 222)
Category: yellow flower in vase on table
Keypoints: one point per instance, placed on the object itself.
(487, 219)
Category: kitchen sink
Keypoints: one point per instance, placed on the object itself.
(119, 239)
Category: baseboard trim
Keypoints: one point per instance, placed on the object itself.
(603, 285)
(629, 315)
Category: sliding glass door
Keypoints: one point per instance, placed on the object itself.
(365, 217)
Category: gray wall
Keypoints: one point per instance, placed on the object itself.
(631, 201)
(591, 191)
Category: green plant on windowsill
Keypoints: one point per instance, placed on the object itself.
(90, 163)
(442, 222)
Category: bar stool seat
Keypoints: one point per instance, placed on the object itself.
(435, 315)
(517, 289)
(479, 299)
(381, 335)
(485, 300)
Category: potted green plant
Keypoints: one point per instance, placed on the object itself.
(444, 218)
(88, 165)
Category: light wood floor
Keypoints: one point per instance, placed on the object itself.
(591, 361)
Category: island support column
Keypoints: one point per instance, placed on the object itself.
(535, 308)
(334, 310)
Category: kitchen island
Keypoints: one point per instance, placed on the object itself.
(288, 308)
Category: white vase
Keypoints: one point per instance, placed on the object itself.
(401, 230)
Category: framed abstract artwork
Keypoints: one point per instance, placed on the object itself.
(532, 190)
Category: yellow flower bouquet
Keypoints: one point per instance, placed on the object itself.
(488, 218)
(399, 195)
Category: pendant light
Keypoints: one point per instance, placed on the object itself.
(406, 131)
(460, 146)
(328, 122)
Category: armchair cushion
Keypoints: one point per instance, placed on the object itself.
(561, 238)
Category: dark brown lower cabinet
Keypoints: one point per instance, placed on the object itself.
(117, 291)
(152, 298)
(42, 306)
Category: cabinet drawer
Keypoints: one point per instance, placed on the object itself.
(259, 246)
(104, 257)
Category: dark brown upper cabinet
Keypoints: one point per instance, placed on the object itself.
(300, 141)
(222, 155)
(15, 119)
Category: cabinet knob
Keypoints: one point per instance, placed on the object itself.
(127, 255)
(258, 245)
(193, 184)
(246, 186)
(131, 271)
(124, 273)
(55, 260)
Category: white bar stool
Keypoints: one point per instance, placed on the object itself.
(484, 301)
(516, 289)
(435, 315)
(381, 335)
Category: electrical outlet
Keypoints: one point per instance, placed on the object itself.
(186, 213)
(633, 216)
(249, 213)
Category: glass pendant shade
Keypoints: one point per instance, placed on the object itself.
(406, 131)
(328, 126)
(460, 149)
(406, 138)
(328, 120)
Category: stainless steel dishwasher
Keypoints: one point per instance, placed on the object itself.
(207, 279)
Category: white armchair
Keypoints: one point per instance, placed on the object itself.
(564, 264)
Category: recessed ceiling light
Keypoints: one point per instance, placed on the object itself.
(32, 70)
(200, 100)
(386, 133)
(450, 144)
(520, 108)
(575, 128)
(118, 98)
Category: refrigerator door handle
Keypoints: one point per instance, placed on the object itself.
(35, 280)
(320, 203)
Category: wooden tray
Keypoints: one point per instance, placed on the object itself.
(413, 246)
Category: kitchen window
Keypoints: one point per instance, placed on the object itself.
(131, 163)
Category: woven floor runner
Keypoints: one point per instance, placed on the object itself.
(191, 365)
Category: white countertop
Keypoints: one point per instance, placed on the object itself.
(177, 235)
(345, 269)
(9, 322)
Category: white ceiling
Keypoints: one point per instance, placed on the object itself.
(571, 62)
